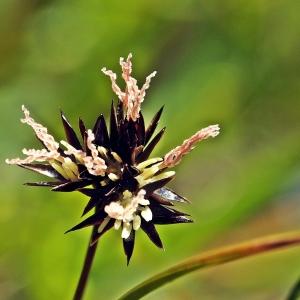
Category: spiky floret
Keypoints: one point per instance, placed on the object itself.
(112, 167)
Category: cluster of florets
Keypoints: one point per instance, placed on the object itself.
(112, 167)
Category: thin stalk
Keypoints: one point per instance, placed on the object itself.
(214, 258)
(88, 261)
(295, 291)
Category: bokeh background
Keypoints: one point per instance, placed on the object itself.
(231, 62)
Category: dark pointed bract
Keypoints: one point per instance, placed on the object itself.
(43, 169)
(153, 124)
(71, 186)
(122, 150)
(167, 194)
(147, 151)
(70, 133)
(101, 133)
(95, 219)
(150, 230)
(43, 183)
(130, 141)
(128, 245)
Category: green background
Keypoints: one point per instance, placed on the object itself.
(231, 62)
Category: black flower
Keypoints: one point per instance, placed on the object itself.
(112, 167)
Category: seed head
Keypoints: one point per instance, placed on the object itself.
(126, 188)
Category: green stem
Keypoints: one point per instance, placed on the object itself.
(91, 250)
(214, 258)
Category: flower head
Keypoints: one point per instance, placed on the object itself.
(112, 167)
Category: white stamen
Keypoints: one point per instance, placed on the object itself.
(127, 194)
(139, 98)
(103, 224)
(144, 202)
(41, 131)
(115, 210)
(117, 224)
(113, 177)
(116, 157)
(127, 227)
(147, 176)
(102, 151)
(34, 155)
(133, 97)
(126, 210)
(115, 87)
(141, 166)
(71, 169)
(94, 164)
(136, 224)
(58, 167)
(174, 157)
(64, 165)
(146, 214)
(79, 154)
(104, 182)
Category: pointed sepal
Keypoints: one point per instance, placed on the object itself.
(167, 194)
(128, 245)
(152, 126)
(43, 169)
(82, 128)
(101, 133)
(95, 219)
(70, 133)
(150, 230)
(153, 186)
(148, 149)
(71, 186)
(43, 183)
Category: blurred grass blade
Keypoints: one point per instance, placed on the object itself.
(213, 258)
(294, 294)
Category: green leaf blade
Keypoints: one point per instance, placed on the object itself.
(213, 258)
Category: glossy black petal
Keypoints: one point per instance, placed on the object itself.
(71, 136)
(171, 220)
(140, 130)
(72, 186)
(43, 169)
(43, 183)
(159, 210)
(148, 150)
(128, 182)
(167, 215)
(152, 126)
(101, 133)
(124, 149)
(132, 134)
(100, 196)
(150, 230)
(99, 202)
(82, 128)
(85, 146)
(167, 194)
(91, 204)
(151, 187)
(128, 245)
(89, 192)
(95, 219)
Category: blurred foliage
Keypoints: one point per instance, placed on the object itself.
(232, 62)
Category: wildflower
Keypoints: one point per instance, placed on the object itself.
(112, 167)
